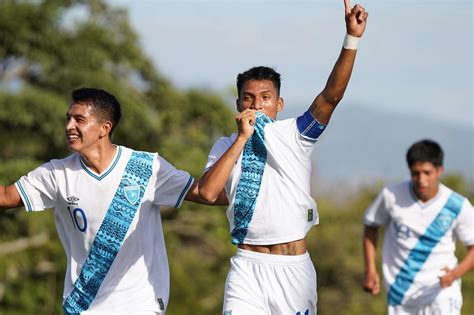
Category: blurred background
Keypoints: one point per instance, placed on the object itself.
(172, 65)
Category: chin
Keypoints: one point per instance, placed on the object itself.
(72, 148)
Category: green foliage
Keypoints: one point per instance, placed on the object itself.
(46, 50)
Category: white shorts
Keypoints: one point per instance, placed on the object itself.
(270, 284)
(448, 302)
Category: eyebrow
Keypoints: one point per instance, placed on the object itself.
(77, 115)
(261, 92)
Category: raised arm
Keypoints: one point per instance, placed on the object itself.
(371, 277)
(325, 103)
(9, 197)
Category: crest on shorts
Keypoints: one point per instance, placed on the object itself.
(132, 193)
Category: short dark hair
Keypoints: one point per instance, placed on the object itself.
(259, 73)
(425, 151)
(104, 104)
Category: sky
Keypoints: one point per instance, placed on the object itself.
(415, 57)
(414, 66)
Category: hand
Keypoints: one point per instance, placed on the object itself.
(245, 123)
(356, 19)
(447, 279)
(372, 283)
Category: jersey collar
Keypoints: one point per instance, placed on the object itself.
(107, 171)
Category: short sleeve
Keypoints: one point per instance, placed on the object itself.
(171, 184)
(309, 127)
(464, 228)
(377, 214)
(218, 149)
(38, 189)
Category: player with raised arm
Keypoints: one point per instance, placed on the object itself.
(106, 201)
(422, 220)
(265, 170)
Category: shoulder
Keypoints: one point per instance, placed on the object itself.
(126, 153)
(67, 162)
(397, 193)
(223, 143)
(401, 188)
(455, 195)
(283, 123)
(226, 140)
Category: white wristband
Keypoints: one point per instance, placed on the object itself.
(350, 42)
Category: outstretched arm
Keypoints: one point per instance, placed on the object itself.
(9, 197)
(325, 103)
(371, 276)
(467, 264)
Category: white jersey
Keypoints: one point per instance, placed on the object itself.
(138, 280)
(284, 209)
(419, 240)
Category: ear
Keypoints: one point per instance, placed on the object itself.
(105, 129)
(440, 170)
(280, 104)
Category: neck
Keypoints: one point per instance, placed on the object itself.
(99, 158)
(424, 198)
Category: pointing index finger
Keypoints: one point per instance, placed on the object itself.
(347, 6)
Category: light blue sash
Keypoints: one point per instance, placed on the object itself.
(419, 254)
(111, 234)
(254, 159)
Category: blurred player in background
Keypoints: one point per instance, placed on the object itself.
(422, 220)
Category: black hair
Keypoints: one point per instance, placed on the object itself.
(104, 104)
(259, 73)
(425, 151)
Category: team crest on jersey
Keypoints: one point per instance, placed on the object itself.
(132, 193)
(444, 222)
(403, 231)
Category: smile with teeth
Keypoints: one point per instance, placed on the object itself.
(72, 137)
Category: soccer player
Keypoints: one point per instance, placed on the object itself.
(265, 170)
(106, 201)
(422, 219)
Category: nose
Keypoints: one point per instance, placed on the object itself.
(69, 124)
(422, 179)
(257, 104)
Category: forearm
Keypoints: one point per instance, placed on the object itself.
(193, 196)
(325, 103)
(370, 248)
(339, 77)
(466, 264)
(9, 197)
(336, 85)
(213, 181)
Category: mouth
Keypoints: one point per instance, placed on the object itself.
(72, 137)
(421, 190)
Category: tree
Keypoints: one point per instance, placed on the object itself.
(47, 49)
